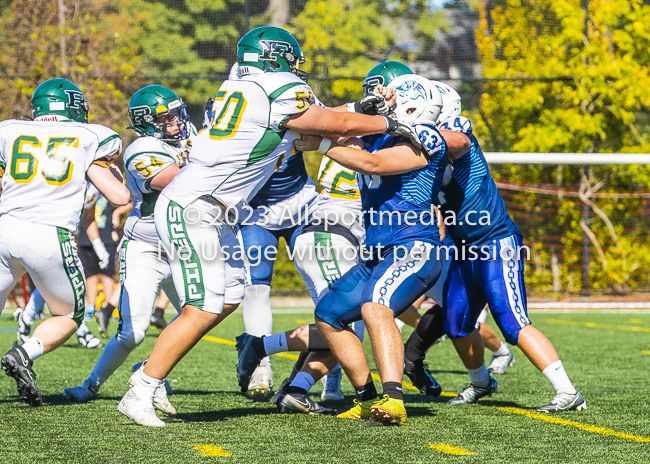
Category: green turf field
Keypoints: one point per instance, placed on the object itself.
(605, 357)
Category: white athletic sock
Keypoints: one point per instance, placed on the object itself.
(145, 386)
(556, 374)
(480, 377)
(482, 317)
(502, 351)
(34, 348)
(258, 320)
(276, 343)
(111, 358)
(82, 330)
(400, 324)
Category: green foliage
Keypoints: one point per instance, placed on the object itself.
(589, 76)
(100, 55)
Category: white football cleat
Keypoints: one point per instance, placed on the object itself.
(24, 330)
(500, 364)
(139, 410)
(160, 400)
(332, 386)
(89, 340)
(261, 380)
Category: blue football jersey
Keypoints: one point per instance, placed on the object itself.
(398, 208)
(288, 179)
(472, 201)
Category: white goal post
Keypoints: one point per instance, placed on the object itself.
(567, 158)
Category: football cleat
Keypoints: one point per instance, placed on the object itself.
(278, 395)
(160, 400)
(23, 329)
(158, 320)
(361, 410)
(422, 379)
(500, 364)
(102, 322)
(565, 402)
(88, 340)
(139, 410)
(301, 403)
(261, 381)
(247, 360)
(389, 411)
(332, 387)
(16, 364)
(473, 393)
(82, 393)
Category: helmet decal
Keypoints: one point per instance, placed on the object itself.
(74, 98)
(412, 89)
(141, 114)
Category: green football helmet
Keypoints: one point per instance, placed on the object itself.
(270, 49)
(59, 97)
(383, 74)
(156, 111)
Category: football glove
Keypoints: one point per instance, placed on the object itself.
(371, 105)
(102, 254)
(395, 127)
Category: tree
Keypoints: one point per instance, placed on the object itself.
(89, 43)
(578, 83)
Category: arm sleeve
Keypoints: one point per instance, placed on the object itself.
(292, 98)
(145, 166)
(456, 123)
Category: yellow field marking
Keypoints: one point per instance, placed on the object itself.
(302, 321)
(635, 321)
(287, 355)
(448, 449)
(223, 341)
(213, 451)
(598, 325)
(580, 425)
(645, 352)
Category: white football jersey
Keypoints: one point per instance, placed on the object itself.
(45, 166)
(143, 160)
(340, 200)
(233, 158)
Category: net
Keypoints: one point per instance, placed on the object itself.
(586, 236)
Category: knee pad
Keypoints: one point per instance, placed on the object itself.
(130, 340)
(261, 248)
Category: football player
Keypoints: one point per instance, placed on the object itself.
(257, 118)
(397, 181)
(164, 129)
(44, 165)
(489, 269)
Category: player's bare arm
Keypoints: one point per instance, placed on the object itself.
(321, 121)
(399, 159)
(458, 143)
(110, 187)
(164, 177)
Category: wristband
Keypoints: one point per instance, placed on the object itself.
(350, 107)
(324, 146)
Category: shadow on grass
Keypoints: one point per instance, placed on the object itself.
(448, 372)
(223, 414)
(505, 404)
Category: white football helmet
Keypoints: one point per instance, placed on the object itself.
(418, 101)
(450, 101)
